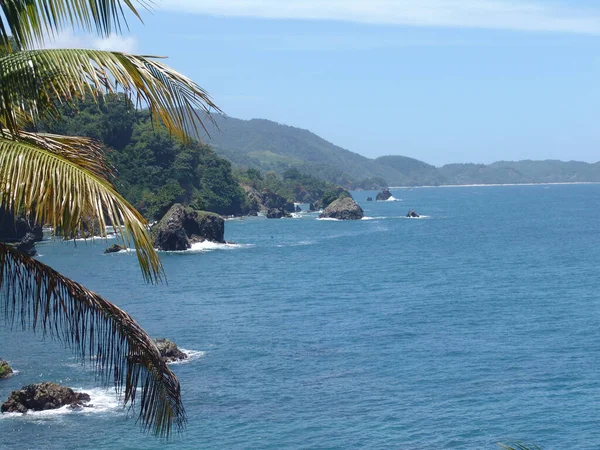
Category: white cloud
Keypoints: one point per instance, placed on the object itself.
(525, 15)
(127, 44)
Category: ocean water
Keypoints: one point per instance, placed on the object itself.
(475, 323)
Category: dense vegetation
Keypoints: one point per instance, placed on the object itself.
(155, 169)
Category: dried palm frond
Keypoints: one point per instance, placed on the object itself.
(37, 297)
(518, 445)
(52, 188)
(32, 81)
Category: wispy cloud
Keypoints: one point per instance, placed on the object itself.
(127, 44)
(525, 15)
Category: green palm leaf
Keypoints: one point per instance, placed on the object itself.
(31, 81)
(55, 189)
(33, 21)
(37, 296)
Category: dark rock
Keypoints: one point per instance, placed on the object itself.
(14, 229)
(343, 209)
(298, 209)
(181, 227)
(277, 213)
(412, 213)
(271, 200)
(42, 396)
(5, 369)
(169, 351)
(311, 207)
(115, 248)
(369, 199)
(27, 245)
(383, 195)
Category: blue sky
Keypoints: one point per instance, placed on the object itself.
(438, 80)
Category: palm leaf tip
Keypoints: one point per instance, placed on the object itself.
(38, 297)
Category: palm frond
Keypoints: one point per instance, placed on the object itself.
(53, 189)
(85, 152)
(34, 21)
(31, 81)
(37, 297)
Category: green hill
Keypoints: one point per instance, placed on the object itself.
(270, 146)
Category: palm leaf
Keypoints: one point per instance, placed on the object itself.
(52, 188)
(31, 81)
(85, 152)
(34, 21)
(36, 296)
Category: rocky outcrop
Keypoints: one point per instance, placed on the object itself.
(277, 213)
(169, 351)
(181, 227)
(412, 213)
(298, 209)
(27, 245)
(311, 207)
(343, 209)
(271, 200)
(14, 229)
(115, 248)
(42, 396)
(383, 195)
(5, 369)
(369, 199)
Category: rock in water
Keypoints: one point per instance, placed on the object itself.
(412, 213)
(277, 213)
(115, 248)
(5, 369)
(42, 396)
(27, 245)
(343, 209)
(383, 195)
(369, 199)
(169, 351)
(181, 227)
(298, 209)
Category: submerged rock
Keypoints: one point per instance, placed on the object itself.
(115, 248)
(5, 369)
(42, 396)
(369, 199)
(181, 227)
(343, 209)
(169, 351)
(383, 195)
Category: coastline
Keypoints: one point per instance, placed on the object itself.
(496, 184)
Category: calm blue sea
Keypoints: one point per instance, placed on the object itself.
(475, 323)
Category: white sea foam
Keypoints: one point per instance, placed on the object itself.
(192, 355)
(208, 246)
(373, 218)
(296, 215)
(101, 401)
(95, 238)
(393, 199)
(328, 218)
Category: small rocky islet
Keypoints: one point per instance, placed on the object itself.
(44, 396)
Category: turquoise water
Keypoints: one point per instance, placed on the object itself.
(473, 324)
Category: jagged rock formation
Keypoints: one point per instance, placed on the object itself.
(27, 245)
(181, 227)
(383, 195)
(115, 248)
(42, 396)
(169, 351)
(412, 213)
(14, 229)
(343, 209)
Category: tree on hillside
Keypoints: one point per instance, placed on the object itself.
(67, 182)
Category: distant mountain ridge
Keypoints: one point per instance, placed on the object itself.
(266, 145)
